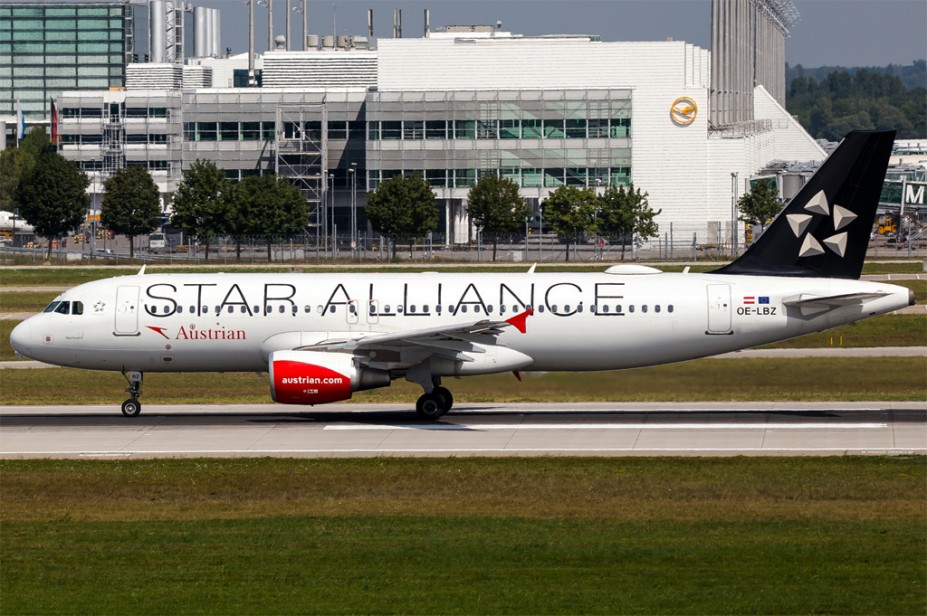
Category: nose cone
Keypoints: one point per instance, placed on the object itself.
(21, 338)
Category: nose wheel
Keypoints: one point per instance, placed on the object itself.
(132, 407)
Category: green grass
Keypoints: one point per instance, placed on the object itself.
(886, 330)
(882, 378)
(463, 536)
(26, 301)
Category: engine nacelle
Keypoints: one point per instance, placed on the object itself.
(313, 377)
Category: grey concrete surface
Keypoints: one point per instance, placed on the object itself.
(358, 430)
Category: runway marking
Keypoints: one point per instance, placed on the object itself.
(265, 452)
(609, 426)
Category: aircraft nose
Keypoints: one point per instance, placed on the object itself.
(21, 338)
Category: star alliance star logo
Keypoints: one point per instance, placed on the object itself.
(98, 307)
(818, 206)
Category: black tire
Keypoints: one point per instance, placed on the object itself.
(445, 393)
(430, 406)
(131, 407)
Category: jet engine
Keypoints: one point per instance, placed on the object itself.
(313, 377)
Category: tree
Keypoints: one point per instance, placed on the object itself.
(53, 196)
(201, 203)
(624, 214)
(570, 212)
(402, 208)
(130, 204)
(268, 206)
(496, 208)
(759, 205)
(18, 162)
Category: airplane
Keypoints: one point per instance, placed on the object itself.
(14, 222)
(322, 337)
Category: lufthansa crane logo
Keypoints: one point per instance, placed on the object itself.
(684, 111)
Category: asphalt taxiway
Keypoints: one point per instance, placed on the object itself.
(363, 430)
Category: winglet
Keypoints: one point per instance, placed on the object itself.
(519, 320)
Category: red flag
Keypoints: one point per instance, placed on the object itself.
(54, 122)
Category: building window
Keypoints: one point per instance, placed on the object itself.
(553, 129)
(531, 128)
(487, 129)
(413, 130)
(390, 131)
(435, 129)
(464, 129)
(553, 177)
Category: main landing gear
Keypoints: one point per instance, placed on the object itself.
(132, 407)
(434, 404)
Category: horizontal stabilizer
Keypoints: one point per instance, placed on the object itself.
(810, 304)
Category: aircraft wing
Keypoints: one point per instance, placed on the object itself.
(810, 304)
(448, 340)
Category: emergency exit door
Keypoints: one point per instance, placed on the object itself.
(719, 309)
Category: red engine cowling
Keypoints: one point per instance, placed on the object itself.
(312, 377)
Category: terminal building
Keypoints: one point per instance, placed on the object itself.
(685, 125)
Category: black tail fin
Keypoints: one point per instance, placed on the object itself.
(824, 231)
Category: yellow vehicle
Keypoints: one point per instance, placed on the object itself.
(887, 225)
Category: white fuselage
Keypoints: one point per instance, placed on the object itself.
(582, 321)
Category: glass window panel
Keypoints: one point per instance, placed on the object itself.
(435, 129)
(464, 129)
(373, 131)
(598, 128)
(228, 131)
(464, 178)
(338, 130)
(620, 176)
(59, 12)
(553, 177)
(436, 177)
(390, 131)
(553, 129)
(531, 128)
(356, 129)
(93, 11)
(251, 131)
(576, 177)
(269, 131)
(413, 130)
(30, 24)
(94, 24)
(206, 131)
(61, 48)
(576, 129)
(487, 129)
(509, 129)
(531, 177)
(94, 71)
(27, 12)
(90, 35)
(27, 47)
(91, 83)
(27, 35)
(27, 71)
(510, 173)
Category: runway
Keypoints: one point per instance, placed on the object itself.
(356, 430)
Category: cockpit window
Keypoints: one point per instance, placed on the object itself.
(65, 307)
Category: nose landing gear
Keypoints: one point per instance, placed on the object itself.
(132, 407)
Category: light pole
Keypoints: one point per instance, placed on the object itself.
(353, 172)
(733, 214)
(333, 229)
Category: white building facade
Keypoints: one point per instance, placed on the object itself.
(544, 112)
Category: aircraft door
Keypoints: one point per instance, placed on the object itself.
(719, 309)
(127, 311)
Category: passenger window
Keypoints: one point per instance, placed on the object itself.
(307, 309)
(256, 310)
(373, 309)
(399, 308)
(331, 310)
(656, 308)
(425, 308)
(353, 309)
(540, 308)
(669, 308)
(412, 308)
(244, 309)
(631, 308)
(179, 309)
(294, 309)
(464, 309)
(579, 308)
(644, 308)
(282, 309)
(231, 310)
(476, 309)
